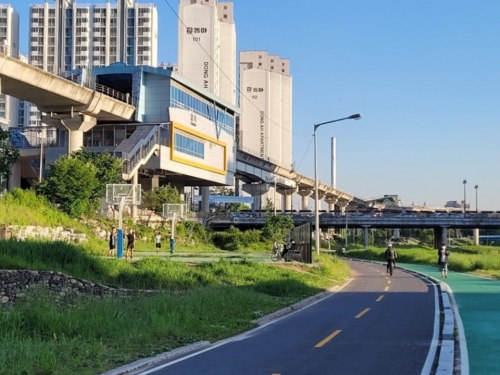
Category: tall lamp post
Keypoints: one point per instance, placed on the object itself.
(41, 136)
(476, 187)
(465, 197)
(316, 183)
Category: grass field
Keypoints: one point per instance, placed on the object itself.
(206, 301)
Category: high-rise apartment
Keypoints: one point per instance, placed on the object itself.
(207, 46)
(9, 44)
(266, 104)
(67, 36)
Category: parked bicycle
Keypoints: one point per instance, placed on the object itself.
(281, 252)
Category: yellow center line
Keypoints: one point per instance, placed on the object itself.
(321, 343)
(386, 289)
(362, 313)
(388, 281)
(379, 298)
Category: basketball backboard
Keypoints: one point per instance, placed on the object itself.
(177, 210)
(130, 193)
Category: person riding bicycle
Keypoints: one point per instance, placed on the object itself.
(391, 256)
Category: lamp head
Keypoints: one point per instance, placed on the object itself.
(357, 116)
(465, 181)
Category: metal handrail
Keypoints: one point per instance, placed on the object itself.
(140, 150)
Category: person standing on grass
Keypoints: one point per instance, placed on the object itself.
(112, 242)
(443, 257)
(130, 244)
(158, 242)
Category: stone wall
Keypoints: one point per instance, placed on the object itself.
(15, 284)
(46, 233)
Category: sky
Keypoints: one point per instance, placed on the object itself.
(425, 75)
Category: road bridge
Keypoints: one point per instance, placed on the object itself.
(68, 105)
(440, 223)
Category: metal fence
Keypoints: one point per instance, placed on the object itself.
(302, 236)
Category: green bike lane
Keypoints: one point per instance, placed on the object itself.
(478, 302)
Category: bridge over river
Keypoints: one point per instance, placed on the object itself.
(440, 222)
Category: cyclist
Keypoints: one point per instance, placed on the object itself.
(390, 256)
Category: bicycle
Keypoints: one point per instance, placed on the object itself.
(290, 255)
(277, 252)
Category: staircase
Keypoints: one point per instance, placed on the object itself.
(138, 148)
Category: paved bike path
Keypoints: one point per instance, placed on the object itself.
(478, 301)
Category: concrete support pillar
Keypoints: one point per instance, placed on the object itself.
(257, 202)
(366, 236)
(75, 141)
(304, 203)
(396, 233)
(149, 183)
(331, 203)
(135, 209)
(305, 194)
(15, 177)
(237, 187)
(475, 233)
(205, 196)
(256, 191)
(343, 206)
(287, 197)
(75, 123)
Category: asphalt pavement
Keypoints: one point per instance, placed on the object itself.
(478, 303)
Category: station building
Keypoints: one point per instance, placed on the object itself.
(181, 134)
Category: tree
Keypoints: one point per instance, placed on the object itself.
(108, 169)
(269, 207)
(276, 227)
(9, 155)
(71, 185)
(154, 199)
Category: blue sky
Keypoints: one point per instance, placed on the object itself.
(424, 74)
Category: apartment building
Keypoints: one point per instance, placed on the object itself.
(9, 44)
(66, 36)
(207, 46)
(265, 127)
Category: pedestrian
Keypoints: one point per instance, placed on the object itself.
(443, 258)
(158, 242)
(342, 251)
(130, 244)
(112, 242)
(391, 256)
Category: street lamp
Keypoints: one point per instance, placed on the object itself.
(41, 137)
(316, 183)
(476, 187)
(465, 196)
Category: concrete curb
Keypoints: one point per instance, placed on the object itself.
(141, 363)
